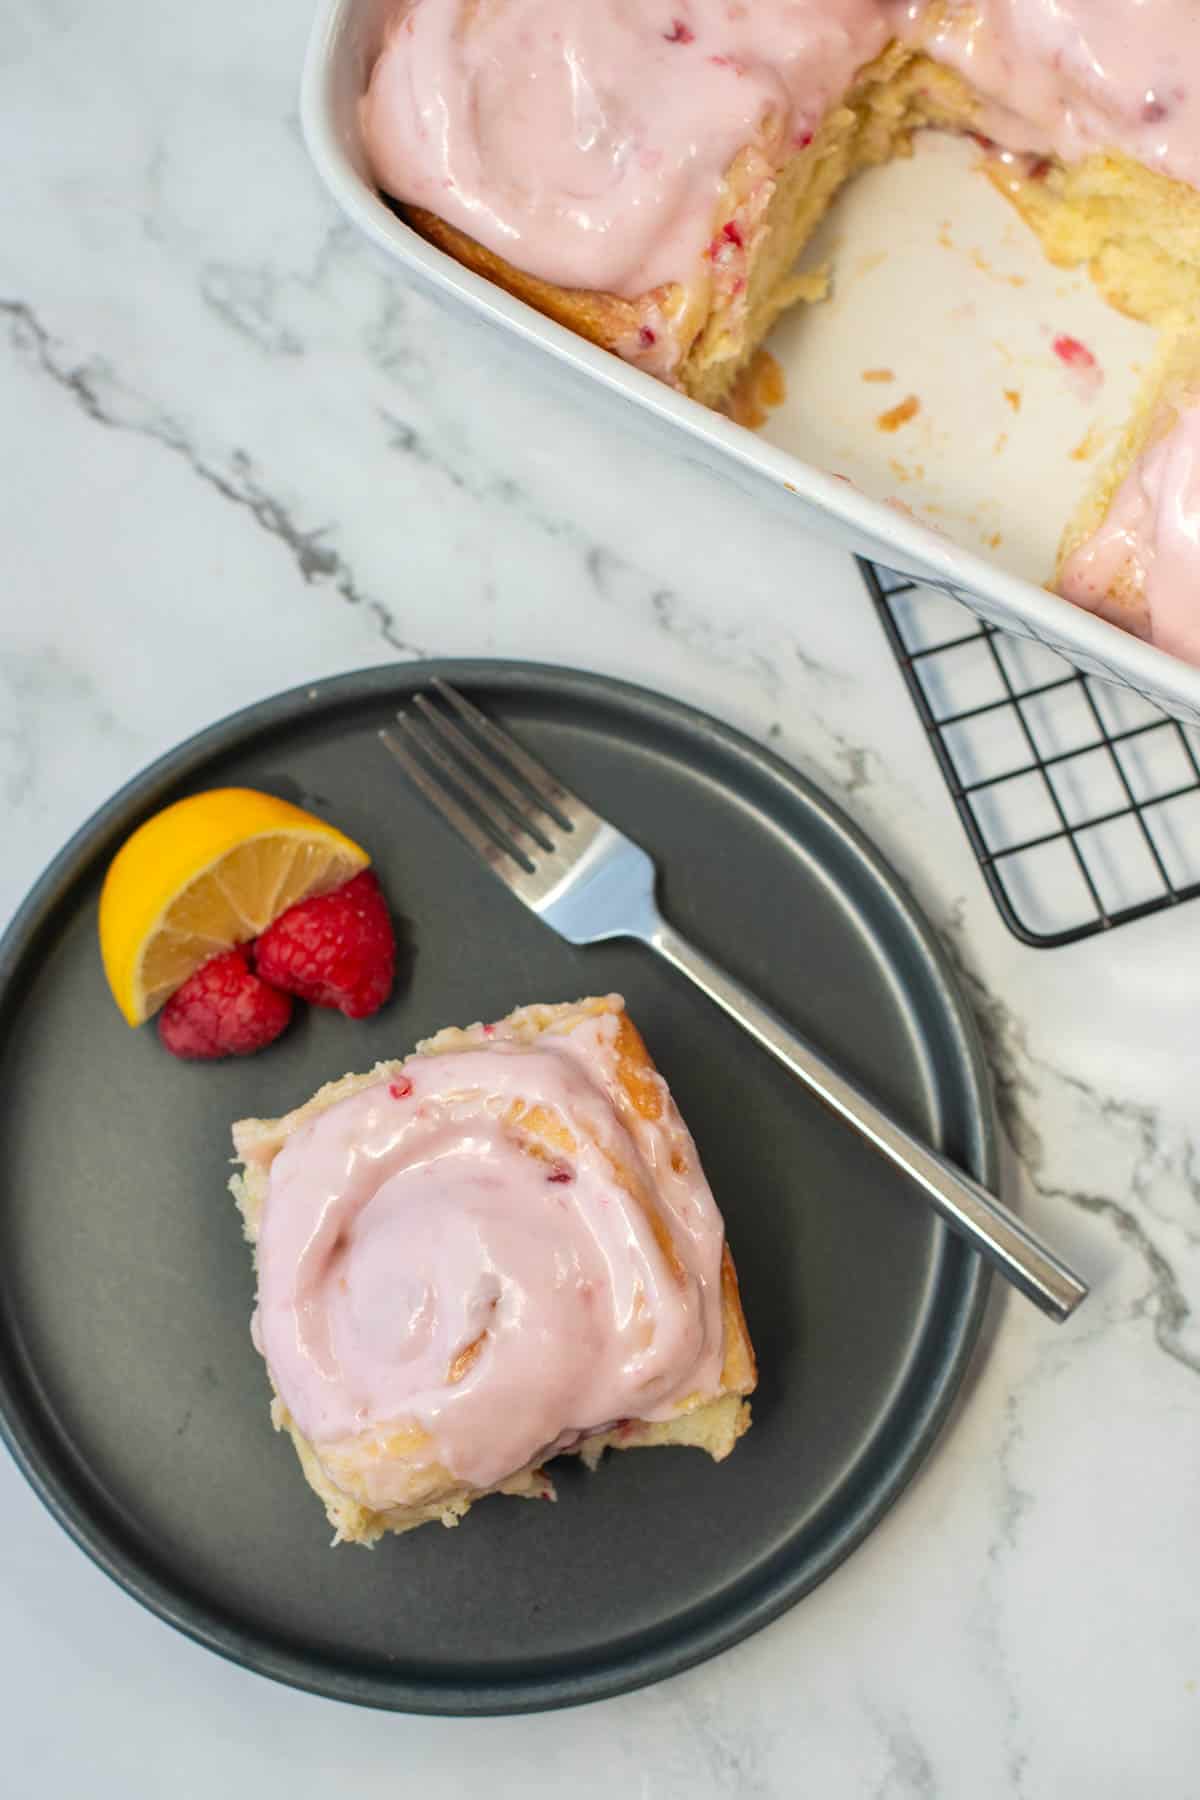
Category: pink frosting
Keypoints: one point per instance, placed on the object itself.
(1148, 546)
(1075, 76)
(406, 1224)
(586, 141)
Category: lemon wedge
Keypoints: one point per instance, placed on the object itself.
(207, 873)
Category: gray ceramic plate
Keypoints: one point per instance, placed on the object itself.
(129, 1391)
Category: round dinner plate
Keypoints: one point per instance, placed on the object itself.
(130, 1392)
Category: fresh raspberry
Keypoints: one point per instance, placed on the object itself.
(337, 950)
(223, 1010)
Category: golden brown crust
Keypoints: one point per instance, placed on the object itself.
(603, 318)
(739, 1372)
(639, 1076)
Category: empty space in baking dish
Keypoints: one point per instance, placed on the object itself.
(942, 296)
(990, 563)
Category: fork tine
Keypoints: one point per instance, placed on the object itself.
(516, 803)
(556, 799)
(515, 837)
(450, 809)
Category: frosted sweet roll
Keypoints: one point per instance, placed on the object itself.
(497, 1250)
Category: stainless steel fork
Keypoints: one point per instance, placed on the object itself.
(588, 882)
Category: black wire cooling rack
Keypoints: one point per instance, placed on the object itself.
(1081, 800)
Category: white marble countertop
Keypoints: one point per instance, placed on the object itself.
(238, 454)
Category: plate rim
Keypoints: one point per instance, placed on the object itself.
(206, 1625)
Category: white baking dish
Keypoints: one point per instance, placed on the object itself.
(984, 302)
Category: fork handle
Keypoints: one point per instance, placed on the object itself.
(1031, 1266)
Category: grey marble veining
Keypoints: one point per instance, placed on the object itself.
(239, 455)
